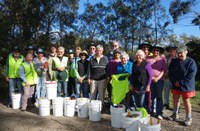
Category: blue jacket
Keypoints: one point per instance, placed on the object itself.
(184, 72)
(124, 68)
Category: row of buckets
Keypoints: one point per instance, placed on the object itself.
(121, 119)
(51, 89)
(67, 107)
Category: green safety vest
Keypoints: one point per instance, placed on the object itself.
(62, 63)
(120, 87)
(13, 66)
(30, 74)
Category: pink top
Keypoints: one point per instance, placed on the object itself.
(158, 66)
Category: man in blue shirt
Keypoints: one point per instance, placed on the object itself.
(182, 71)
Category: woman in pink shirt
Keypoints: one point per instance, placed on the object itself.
(158, 64)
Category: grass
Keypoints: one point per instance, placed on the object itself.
(195, 101)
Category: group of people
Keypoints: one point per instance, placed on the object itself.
(84, 74)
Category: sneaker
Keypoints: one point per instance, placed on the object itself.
(188, 121)
(166, 106)
(23, 110)
(36, 104)
(160, 117)
(9, 106)
(174, 117)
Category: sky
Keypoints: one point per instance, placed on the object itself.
(183, 26)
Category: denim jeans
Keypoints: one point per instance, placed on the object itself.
(156, 93)
(166, 89)
(13, 83)
(139, 99)
(60, 86)
(82, 87)
(40, 88)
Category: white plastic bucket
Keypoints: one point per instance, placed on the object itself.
(131, 123)
(69, 107)
(51, 88)
(16, 100)
(44, 107)
(95, 110)
(116, 116)
(58, 106)
(82, 104)
(147, 127)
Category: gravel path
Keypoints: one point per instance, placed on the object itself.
(15, 120)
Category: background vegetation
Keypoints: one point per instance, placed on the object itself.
(46, 22)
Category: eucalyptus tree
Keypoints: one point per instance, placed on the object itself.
(132, 21)
(28, 21)
(180, 8)
(91, 24)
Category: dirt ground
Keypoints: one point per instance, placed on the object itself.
(15, 120)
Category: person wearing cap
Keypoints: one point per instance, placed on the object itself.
(92, 50)
(112, 69)
(81, 72)
(72, 85)
(115, 45)
(41, 68)
(71, 80)
(60, 65)
(158, 65)
(182, 71)
(50, 74)
(31, 49)
(13, 63)
(171, 49)
(146, 48)
(97, 74)
(28, 76)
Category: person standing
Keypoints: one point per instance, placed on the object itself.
(158, 65)
(92, 50)
(146, 48)
(29, 80)
(13, 63)
(112, 69)
(31, 49)
(71, 80)
(39, 64)
(115, 45)
(140, 79)
(182, 71)
(125, 66)
(81, 73)
(60, 66)
(97, 74)
(167, 84)
(73, 69)
(50, 74)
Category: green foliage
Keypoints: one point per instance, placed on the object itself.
(194, 48)
(179, 8)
